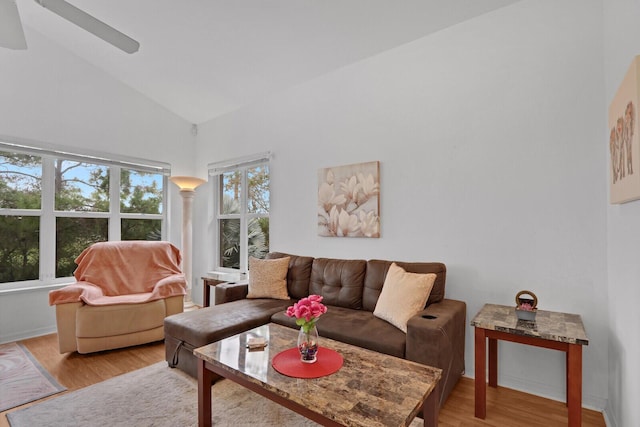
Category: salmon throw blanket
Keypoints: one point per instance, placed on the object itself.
(125, 272)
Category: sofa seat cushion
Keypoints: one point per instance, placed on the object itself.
(118, 319)
(210, 324)
(355, 327)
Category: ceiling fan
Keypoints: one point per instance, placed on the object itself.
(12, 34)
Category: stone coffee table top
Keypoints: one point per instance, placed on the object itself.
(550, 325)
(371, 389)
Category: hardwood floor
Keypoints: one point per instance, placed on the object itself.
(508, 408)
(76, 371)
(505, 407)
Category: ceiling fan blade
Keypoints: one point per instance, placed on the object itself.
(91, 24)
(11, 32)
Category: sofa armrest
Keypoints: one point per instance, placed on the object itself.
(66, 324)
(436, 337)
(232, 291)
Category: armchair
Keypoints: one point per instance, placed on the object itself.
(123, 292)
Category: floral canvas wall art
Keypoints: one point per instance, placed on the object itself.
(349, 200)
(624, 138)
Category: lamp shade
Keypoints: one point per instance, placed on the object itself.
(187, 183)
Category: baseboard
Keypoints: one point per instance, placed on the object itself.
(23, 335)
(609, 418)
(529, 386)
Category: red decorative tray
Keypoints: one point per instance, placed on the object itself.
(288, 363)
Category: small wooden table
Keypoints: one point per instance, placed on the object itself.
(553, 330)
(209, 282)
(370, 390)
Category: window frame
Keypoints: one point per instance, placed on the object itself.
(48, 214)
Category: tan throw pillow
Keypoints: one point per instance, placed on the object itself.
(403, 296)
(268, 278)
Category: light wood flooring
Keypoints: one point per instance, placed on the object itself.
(505, 407)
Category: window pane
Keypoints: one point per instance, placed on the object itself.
(141, 229)
(230, 243)
(258, 236)
(82, 187)
(140, 192)
(19, 248)
(258, 189)
(20, 181)
(73, 235)
(231, 192)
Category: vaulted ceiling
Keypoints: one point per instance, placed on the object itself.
(204, 58)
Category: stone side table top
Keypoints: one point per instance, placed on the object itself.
(549, 325)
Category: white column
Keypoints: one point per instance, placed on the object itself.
(187, 187)
(187, 239)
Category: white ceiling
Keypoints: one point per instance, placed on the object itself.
(203, 58)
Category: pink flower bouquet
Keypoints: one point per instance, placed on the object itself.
(307, 311)
(525, 306)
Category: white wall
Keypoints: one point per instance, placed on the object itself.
(490, 138)
(622, 44)
(51, 96)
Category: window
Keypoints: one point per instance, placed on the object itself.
(141, 197)
(242, 212)
(54, 204)
(20, 203)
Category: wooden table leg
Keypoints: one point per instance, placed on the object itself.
(493, 362)
(205, 377)
(574, 384)
(431, 408)
(480, 368)
(206, 289)
(566, 380)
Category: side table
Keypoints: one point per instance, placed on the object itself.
(209, 282)
(553, 330)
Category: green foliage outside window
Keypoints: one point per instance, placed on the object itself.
(20, 182)
(141, 229)
(19, 248)
(230, 246)
(73, 235)
(257, 203)
(79, 187)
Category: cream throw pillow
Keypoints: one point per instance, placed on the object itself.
(268, 278)
(403, 296)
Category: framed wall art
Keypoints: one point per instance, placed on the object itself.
(624, 139)
(349, 200)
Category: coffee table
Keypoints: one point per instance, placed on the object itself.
(371, 389)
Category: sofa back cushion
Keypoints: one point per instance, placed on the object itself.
(377, 271)
(339, 281)
(298, 275)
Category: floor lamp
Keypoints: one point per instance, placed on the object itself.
(187, 186)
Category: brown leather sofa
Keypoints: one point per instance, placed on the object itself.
(350, 288)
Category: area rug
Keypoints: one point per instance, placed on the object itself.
(22, 378)
(157, 396)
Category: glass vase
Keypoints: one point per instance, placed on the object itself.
(308, 344)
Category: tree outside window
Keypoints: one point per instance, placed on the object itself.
(20, 198)
(243, 216)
